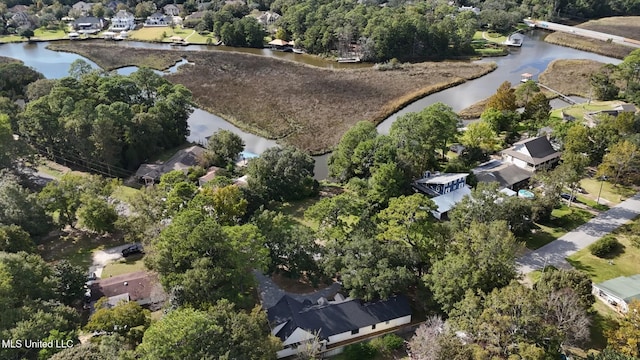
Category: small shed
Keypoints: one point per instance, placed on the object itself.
(526, 77)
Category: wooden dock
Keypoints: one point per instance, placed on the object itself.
(564, 97)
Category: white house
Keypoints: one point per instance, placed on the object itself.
(122, 21)
(473, 9)
(171, 10)
(446, 190)
(619, 292)
(158, 19)
(297, 323)
(532, 154)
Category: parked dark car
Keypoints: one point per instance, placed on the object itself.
(131, 250)
(568, 197)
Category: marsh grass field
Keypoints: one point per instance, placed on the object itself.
(301, 105)
(626, 26)
(570, 77)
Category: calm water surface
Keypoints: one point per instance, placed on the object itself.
(533, 57)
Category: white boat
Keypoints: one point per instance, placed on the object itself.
(349, 60)
(298, 51)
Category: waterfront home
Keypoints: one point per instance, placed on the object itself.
(171, 10)
(88, 24)
(123, 21)
(445, 190)
(280, 45)
(21, 20)
(181, 160)
(619, 292)
(158, 19)
(268, 18)
(532, 154)
(330, 325)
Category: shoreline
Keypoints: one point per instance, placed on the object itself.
(308, 117)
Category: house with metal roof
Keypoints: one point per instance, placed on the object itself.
(332, 323)
(532, 154)
(445, 190)
(619, 292)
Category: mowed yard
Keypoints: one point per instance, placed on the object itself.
(164, 33)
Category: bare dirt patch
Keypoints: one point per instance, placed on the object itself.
(305, 106)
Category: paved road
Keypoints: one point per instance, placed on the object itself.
(555, 252)
(586, 33)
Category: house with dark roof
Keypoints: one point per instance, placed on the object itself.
(334, 322)
(88, 24)
(532, 154)
(142, 287)
(181, 160)
(507, 175)
(158, 19)
(619, 292)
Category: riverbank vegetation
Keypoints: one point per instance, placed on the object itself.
(571, 77)
(626, 26)
(111, 57)
(107, 123)
(301, 105)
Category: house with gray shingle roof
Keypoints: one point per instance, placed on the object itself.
(532, 154)
(619, 292)
(297, 323)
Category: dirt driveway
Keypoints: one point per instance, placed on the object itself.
(101, 258)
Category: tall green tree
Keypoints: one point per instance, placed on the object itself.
(282, 173)
(480, 258)
(13, 239)
(622, 163)
(20, 207)
(504, 99)
(341, 162)
(196, 254)
(219, 332)
(224, 148)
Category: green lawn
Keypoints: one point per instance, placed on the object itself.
(296, 210)
(490, 36)
(626, 263)
(165, 32)
(11, 38)
(127, 265)
(591, 203)
(124, 193)
(45, 34)
(77, 248)
(578, 110)
(564, 219)
(614, 194)
(602, 319)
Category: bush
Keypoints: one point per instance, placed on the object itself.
(360, 351)
(635, 241)
(604, 246)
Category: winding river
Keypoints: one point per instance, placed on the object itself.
(533, 57)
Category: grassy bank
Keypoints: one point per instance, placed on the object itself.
(626, 26)
(305, 106)
(110, 56)
(570, 77)
(563, 220)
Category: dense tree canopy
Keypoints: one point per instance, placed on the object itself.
(282, 173)
(196, 254)
(107, 122)
(221, 332)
